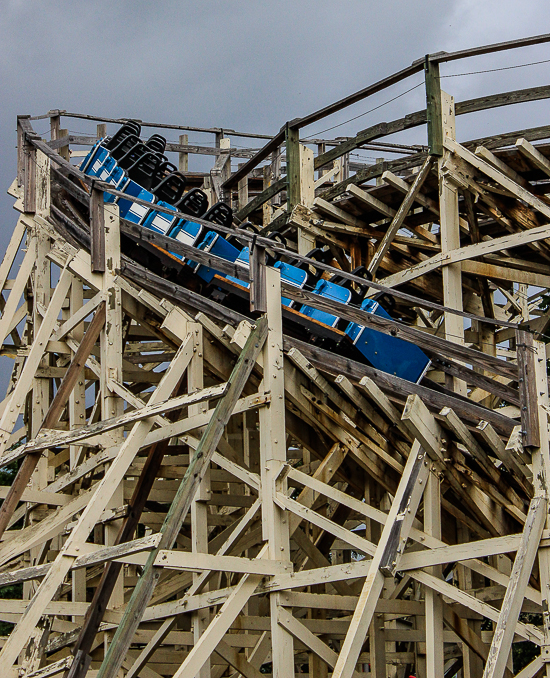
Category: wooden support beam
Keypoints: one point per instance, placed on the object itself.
(528, 389)
(293, 167)
(97, 230)
(182, 502)
(534, 156)
(433, 600)
(103, 492)
(374, 582)
(450, 230)
(31, 460)
(196, 586)
(258, 284)
(433, 107)
(399, 218)
(511, 605)
(104, 590)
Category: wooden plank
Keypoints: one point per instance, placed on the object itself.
(183, 158)
(16, 291)
(410, 499)
(217, 628)
(433, 600)
(17, 396)
(527, 389)
(420, 118)
(399, 218)
(197, 562)
(433, 107)
(309, 639)
(29, 186)
(513, 462)
(498, 176)
(468, 252)
(96, 556)
(196, 586)
(511, 605)
(526, 631)
(237, 660)
(146, 412)
(258, 283)
(107, 583)
(97, 230)
(442, 347)
(274, 189)
(533, 155)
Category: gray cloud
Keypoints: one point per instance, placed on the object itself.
(250, 65)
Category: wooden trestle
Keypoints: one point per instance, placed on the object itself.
(199, 491)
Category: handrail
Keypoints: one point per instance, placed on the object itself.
(399, 76)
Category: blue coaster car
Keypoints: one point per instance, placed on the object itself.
(329, 290)
(131, 210)
(140, 170)
(387, 353)
(187, 232)
(292, 275)
(244, 259)
(93, 162)
(214, 243)
(160, 221)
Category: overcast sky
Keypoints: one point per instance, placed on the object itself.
(251, 64)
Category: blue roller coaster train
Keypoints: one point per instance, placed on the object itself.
(141, 170)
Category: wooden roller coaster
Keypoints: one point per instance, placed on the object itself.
(205, 478)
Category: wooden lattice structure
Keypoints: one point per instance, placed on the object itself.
(199, 490)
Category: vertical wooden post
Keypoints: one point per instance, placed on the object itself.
(300, 181)
(29, 174)
(293, 166)
(276, 174)
(541, 473)
(434, 603)
(41, 386)
(21, 148)
(225, 145)
(77, 419)
(55, 125)
(275, 522)
(97, 230)
(377, 642)
(379, 180)
(528, 396)
(306, 241)
(183, 157)
(433, 107)
(321, 148)
(64, 151)
(111, 360)
(258, 282)
(266, 207)
(101, 130)
(242, 198)
(179, 508)
(199, 505)
(450, 239)
(342, 163)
